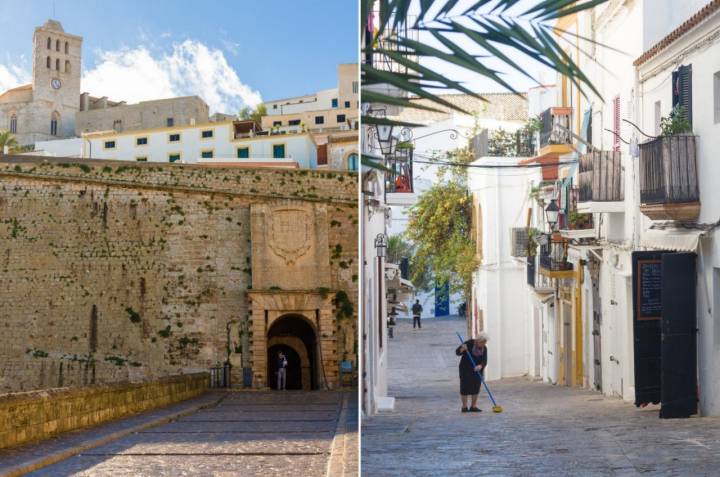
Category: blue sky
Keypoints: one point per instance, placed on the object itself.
(276, 48)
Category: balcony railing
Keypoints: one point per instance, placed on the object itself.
(555, 127)
(400, 178)
(668, 178)
(601, 177)
(553, 259)
(552, 264)
(534, 278)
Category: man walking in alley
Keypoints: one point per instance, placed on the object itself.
(417, 311)
(281, 371)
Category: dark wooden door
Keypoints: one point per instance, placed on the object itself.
(647, 320)
(679, 355)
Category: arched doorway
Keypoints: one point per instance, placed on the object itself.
(295, 336)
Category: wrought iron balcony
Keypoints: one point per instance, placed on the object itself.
(553, 260)
(535, 279)
(668, 178)
(600, 181)
(556, 131)
(399, 186)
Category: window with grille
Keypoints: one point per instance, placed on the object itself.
(206, 154)
(243, 152)
(141, 141)
(174, 137)
(109, 145)
(207, 134)
(13, 124)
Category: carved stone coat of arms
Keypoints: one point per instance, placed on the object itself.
(290, 234)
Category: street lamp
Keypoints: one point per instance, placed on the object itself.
(381, 244)
(551, 214)
(385, 138)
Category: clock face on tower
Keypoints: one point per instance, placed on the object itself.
(55, 83)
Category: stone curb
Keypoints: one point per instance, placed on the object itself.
(338, 449)
(38, 462)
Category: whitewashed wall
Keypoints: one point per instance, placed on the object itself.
(500, 288)
(655, 86)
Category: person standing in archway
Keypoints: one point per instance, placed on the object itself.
(281, 371)
(417, 311)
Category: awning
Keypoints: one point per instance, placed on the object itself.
(679, 240)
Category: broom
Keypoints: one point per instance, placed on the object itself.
(495, 407)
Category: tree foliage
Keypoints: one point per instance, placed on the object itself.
(7, 139)
(400, 248)
(494, 27)
(440, 227)
(254, 114)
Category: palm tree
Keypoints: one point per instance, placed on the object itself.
(7, 139)
(492, 26)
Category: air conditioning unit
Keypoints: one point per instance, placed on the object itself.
(520, 241)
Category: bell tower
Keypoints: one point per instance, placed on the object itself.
(56, 75)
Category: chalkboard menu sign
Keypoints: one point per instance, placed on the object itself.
(649, 289)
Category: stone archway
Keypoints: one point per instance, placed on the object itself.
(296, 337)
(275, 320)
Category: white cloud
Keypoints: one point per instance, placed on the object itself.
(134, 74)
(12, 76)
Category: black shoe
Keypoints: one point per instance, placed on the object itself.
(464, 410)
(475, 409)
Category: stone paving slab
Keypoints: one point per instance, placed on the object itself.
(544, 429)
(228, 439)
(251, 416)
(212, 443)
(193, 465)
(30, 456)
(276, 427)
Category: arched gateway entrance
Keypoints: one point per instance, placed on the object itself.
(301, 323)
(295, 336)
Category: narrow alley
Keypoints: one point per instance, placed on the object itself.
(544, 429)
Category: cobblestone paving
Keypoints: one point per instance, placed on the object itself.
(247, 434)
(544, 429)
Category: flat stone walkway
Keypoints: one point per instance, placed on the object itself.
(544, 429)
(245, 434)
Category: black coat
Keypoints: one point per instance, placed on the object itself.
(469, 380)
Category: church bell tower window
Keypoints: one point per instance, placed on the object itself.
(54, 120)
(13, 124)
(67, 49)
(47, 62)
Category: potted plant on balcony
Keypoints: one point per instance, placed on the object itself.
(532, 243)
(676, 122)
(668, 171)
(302, 126)
(580, 221)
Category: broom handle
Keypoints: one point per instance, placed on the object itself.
(462, 342)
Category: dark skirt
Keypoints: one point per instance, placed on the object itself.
(469, 382)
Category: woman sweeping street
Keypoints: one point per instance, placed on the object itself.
(470, 381)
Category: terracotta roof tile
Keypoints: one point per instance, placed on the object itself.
(688, 25)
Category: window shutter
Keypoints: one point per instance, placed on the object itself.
(322, 155)
(682, 90)
(616, 124)
(685, 90)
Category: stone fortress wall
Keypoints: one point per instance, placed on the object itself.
(112, 272)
